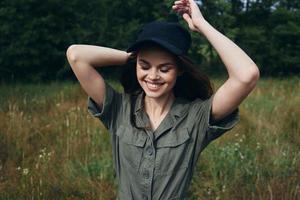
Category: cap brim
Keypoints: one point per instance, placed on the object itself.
(165, 45)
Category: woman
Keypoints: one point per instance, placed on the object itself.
(167, 114)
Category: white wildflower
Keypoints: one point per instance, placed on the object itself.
(241, 156)
(25, 171)
(223, 188)
(257, 145)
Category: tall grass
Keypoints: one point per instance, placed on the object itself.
(51, 148)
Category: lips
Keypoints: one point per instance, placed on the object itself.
(153, 85)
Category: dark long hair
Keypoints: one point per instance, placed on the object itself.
(191, 84)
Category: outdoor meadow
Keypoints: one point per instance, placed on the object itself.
(51, 148)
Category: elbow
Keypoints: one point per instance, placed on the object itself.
(72, 54)
(254, 75)
(251, 77)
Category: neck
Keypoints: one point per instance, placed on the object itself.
(156, 107)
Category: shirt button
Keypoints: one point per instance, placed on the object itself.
(145, 197)
(149, 150)
(146, 174)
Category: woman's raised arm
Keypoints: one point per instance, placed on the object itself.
(243, 72)
(85, 58)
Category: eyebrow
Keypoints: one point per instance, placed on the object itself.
(160, 65)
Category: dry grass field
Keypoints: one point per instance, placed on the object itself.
(51, 148)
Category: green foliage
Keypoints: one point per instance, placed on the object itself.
(273, 40)
(34, 35)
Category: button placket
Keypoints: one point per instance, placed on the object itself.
(149, 150)
(146, 174)
(148, 165)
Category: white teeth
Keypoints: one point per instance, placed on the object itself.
(153, 85)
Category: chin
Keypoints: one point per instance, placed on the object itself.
(153, 95)
(156, 94)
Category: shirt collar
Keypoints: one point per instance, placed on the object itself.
(139, 105)
(178, 110)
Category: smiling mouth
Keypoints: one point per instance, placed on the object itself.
(153, 86)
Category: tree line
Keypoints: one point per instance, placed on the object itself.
(34, 35)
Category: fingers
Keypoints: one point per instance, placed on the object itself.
(181, 4)
(188, 19)
(181, 10)
(181, 7)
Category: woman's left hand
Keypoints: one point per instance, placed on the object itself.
(190, 13)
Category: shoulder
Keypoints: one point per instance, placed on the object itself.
(201, 104)
(182, 104)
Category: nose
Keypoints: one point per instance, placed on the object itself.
(153, 74)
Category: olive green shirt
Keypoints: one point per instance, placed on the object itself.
(157, 165)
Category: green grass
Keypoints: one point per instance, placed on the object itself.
(51, 148)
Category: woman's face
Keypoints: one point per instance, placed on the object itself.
(156, 71)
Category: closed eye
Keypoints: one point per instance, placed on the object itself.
(144, 65)
(165, 68)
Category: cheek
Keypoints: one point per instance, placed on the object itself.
(140, 74)
(171, 77)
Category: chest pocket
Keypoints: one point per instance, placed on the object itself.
(131, 143)
(173, 151)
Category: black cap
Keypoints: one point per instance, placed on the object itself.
(169, 35)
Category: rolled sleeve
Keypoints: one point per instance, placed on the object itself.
(109, 112)
(216, 129)
(204, 123)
